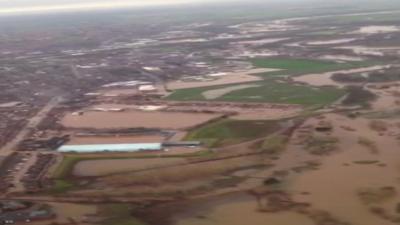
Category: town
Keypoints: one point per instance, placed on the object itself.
(164, 117)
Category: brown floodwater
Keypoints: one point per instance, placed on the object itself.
(331, 187)
(110, 166)
(132, 119)
(238, 212)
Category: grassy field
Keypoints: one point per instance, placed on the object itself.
(229, 132)
(303, 66)
(269, 91)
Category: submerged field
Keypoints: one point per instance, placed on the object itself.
(129, 119)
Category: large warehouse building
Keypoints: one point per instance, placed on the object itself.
(111, 148)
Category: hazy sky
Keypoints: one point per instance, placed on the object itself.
(32, 6)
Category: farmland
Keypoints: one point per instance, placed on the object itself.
(270, 91)
(229, 132)
(294, 67)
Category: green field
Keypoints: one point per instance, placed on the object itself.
(229, 132)
(269, 91)
(303, 66)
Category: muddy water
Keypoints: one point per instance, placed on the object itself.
(334, 186)
(325, 78)
(378, 29)
(115, 140)
(214, 94)
(386, 100)
(109, 166)
(242, 212)
(332, 42)
(342, 58)
(230, 78)
(131, 119)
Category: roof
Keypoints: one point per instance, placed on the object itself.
(111, 147)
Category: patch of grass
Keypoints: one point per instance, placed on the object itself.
(118, 214)
(271, 91)
(295, 66)
(366, 162)
(276, 92)
(61, 187)
(66, 166)
(229, 132)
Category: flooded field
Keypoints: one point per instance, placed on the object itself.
(353, 169)
(132, 119)
(355, 166)
(243, 211)
(118, 92)
(325, 78)
(342, 58)
(378, 29)
(371, 51)
(66, 212)
(216, 93)
(110, 166)
(230, 78)
(269, 114)
(388, 98)
(262, 41)
(332, 42)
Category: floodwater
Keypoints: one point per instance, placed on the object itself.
(76, 140)
(324, 79)
(378, 29)
(110, 166)
(242, 213)
(387, 99)
(342, 58)
(67, 212)
(216, 93)
(370, 51)
(230, 78)
(262, 41)
(332, 42)
(268, 114)
(136, 119)
(333, 187)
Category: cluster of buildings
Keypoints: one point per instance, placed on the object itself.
(12, 212)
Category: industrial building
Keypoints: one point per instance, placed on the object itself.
(111, 147)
